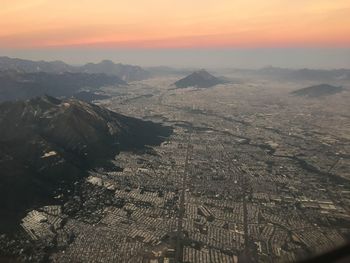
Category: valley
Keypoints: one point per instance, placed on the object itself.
(250, 172)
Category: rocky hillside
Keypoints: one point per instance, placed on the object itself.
(45, 141)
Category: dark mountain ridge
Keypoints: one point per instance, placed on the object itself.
(45, 141)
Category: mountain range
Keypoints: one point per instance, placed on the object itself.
(124, 72)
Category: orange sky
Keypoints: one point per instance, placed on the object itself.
(174, 23)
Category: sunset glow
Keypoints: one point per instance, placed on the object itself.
(174, 24)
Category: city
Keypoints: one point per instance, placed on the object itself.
(228, 185)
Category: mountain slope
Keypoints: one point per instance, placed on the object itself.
(45, 140)
(317, 91)
(198, 79)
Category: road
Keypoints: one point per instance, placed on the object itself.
(179, 238)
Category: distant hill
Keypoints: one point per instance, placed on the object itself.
(45, 141)
(199, 79)
(18, 85)
(124, 72)
(318, 91)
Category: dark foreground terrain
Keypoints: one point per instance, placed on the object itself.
(46, 144)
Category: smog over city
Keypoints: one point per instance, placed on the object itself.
(175, 131)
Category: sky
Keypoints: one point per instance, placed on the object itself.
(168, 30)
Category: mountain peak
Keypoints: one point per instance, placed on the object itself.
(198, 79)
(78, 133)
(203, 74)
